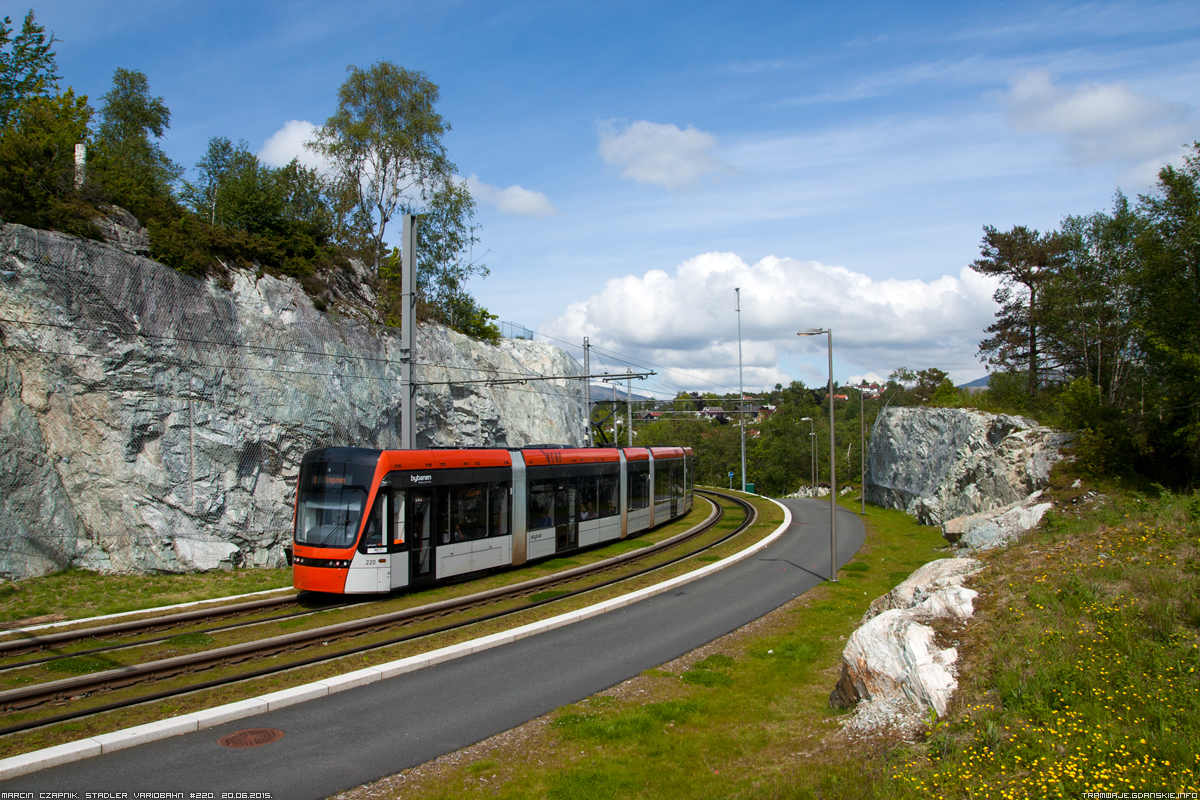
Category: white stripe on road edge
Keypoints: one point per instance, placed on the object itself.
(119, 740)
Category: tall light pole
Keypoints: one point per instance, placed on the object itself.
(862, 454)
(812, 451)
(741, 389)
(832, 457)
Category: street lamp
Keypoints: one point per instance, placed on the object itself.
(862, 453)
(741, 388)
(812, 451)
(832, 457)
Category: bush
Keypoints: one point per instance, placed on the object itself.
(37, 165)
(1105, 443)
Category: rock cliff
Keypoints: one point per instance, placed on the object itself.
(942, 463)
(150, 421)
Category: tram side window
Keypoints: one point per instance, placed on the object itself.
(541, 504)
(498, 516)
(610, 495)
(469, 513)
(589, 507)
(639, 490)
(662, 478)
(677, 478)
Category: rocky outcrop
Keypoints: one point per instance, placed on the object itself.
(989, 529)
(893, 670)
(150, 421)
(942, 463)
(934, 590)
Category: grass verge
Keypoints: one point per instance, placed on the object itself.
(745, 715)
(1081, 673)
(1078, 673)
(76, 593)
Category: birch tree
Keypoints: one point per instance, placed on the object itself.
(385, 144)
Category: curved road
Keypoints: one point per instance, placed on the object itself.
(360, 735)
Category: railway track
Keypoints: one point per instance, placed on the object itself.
(33, 644)
(69, 690)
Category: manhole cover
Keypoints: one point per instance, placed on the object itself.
(251, 737)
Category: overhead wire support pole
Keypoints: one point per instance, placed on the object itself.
(629, 403)
(408, 330)
(628, 378)
(587, 391)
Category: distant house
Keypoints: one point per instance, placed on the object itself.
(712, 412)
(869, 390)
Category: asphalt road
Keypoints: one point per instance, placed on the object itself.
(360, 735)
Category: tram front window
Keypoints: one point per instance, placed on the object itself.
(330, 505)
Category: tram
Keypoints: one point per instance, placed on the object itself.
(373, 521)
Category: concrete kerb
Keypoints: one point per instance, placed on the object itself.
(186, 723)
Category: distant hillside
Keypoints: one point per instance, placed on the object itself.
(604, 391)
(978, 384)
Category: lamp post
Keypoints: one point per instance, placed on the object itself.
(741, 389)
(832, 457)
(862, 454)
(812, 451)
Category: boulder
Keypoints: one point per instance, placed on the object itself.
(942, 463)
(122, 229)
(932, 584)
(894, 657)
(989, 529)
(892, 668)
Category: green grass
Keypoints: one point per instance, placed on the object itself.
(1079, 672)
(75, 594)
(728, 724)
(1088, 681)
(548, 595)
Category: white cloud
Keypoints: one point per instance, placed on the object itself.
(515, 200)
(662, 155)
(687, 320)
(288, 143)
(1100, 122)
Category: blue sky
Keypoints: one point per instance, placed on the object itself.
(634, 162)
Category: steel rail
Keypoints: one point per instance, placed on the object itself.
(158, 639)
(30, 644)
(82, 686)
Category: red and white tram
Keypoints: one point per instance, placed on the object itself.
(435, 514)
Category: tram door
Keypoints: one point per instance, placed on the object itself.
(566, 515)
(420, 531)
